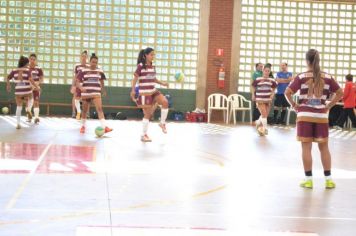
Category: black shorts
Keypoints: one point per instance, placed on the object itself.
(281, 101)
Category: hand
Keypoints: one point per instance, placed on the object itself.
(103, 91)
(165, 84)
(8, 88)
(132, 95)
(295, 107)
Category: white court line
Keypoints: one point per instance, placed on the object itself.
(21, 188)
(12, 121)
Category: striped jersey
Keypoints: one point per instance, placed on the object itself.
(91, 81)
(146, 79)
(36, 73)
(264, 88)
(77, 69)
(23, 85)
(312, 109)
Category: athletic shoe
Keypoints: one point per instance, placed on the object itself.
(78, 116)
(82, 130)
(73, 115)
(18, 126)
(107, 129)
(29, 116)
(308, 183)
(145, 138)
(163, 127)
(337, 127)
(37, 120)
(329, 184)
(261, 131)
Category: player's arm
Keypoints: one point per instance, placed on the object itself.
(133, 85)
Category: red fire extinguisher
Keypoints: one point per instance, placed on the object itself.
(221, 79)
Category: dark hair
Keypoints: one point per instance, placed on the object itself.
(349, 77)
(33, 55)
(142, 56)
(23, 61)
(85, 52)
(313, 59)
(257, 64)
(268, 65)
(93, 56)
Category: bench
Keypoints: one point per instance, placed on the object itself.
(48, 105)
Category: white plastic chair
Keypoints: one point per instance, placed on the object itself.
(290, 109)
(237, 103)
(217, 101)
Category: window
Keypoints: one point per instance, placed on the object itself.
(115, 30)
(273, 31)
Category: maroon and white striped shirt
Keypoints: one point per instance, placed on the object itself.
(77, 69)
(36, 73)
(23, 86)
(146, 79)
(312, 108)
(263, 88)
(91, 81)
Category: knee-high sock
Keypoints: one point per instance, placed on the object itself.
(77, 105)
(18, 113)
(29, 105)
(164, 113)
(103, 123)
(264, 123)
(145, 123)
(36, 110)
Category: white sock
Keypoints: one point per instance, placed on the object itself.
(264, 122)
(83, 122)
(308, 177)
(145, 123)
(164, 113)
(36, 110)
(328, 177)
(258, 122)
(77, 105)
(29, 105)
(103, 123)
(18, 114)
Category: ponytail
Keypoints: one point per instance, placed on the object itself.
(142, 56)
(313, 58)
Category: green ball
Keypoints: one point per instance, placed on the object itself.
(99, 131)
(5, 110)
(179, 76)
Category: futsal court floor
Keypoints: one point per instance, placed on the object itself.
(198, 179)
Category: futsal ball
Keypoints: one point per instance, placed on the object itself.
(99, 131)
(179, 76)
(5, 110)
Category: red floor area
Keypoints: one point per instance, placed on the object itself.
(23, 158)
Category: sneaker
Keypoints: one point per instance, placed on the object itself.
(107, 129)
(82, 130)
(78, 116)
(337, 127)
(29, 116)
(329, 184)
(18, 126)
(163, 127)
(261, 131)
(37, 120)
(308, 183)
(145, 138)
